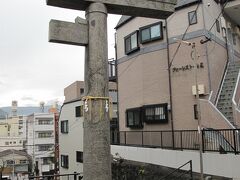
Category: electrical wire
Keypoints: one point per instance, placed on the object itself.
(184, 34)
(224, 5)
(214, 46)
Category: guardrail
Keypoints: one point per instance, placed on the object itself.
(215, 140)
(74, 176)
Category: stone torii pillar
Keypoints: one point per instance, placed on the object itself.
(92, 33)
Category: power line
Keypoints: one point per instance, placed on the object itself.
(224, 5)
(214, 23)
(184, 34)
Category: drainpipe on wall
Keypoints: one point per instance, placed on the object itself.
(170, 84)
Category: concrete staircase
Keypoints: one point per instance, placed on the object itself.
(224, 103)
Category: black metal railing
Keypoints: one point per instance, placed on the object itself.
(216, 140)
(74, 176)
(180, 173)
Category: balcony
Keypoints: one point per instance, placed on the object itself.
(47, 140)
(232, 9)
(47, 127)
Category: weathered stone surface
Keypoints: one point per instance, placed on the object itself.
(69, 33)
(143, 8)
(96, 148)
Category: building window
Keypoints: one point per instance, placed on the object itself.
(23, 161)
(46, 147)
(192, 17)
(10, 162)
(131, 42)
(151, 32)
(48, 160)
(64, 161)
(79, 156)
(7, 143)
(234, 37)
(195, 111)
(45, 134)
(156, 113)
(45, 121)
(81, 91)
(79, 111)
(64, 126)
(217, 25)
(134, 118)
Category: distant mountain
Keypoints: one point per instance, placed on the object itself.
(3, 114)
(25, 111)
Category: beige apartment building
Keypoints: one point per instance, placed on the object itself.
(156, 71)
(157, 90)
(13, 130)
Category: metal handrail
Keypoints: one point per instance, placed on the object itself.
(214, 140)
(179, 168)
(56, 175)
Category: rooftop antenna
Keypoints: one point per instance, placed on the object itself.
(14, 108)
(42, 106)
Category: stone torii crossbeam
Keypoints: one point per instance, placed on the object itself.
(92, 33)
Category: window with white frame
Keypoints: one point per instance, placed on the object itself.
(45, 121)
(151, 32)
(64, 126)
(47, 134)
(156, 113)
(131, 42)
(192, 17)
(45, 147)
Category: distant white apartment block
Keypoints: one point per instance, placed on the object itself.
(40, 142)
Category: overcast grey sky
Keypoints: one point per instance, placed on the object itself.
(31, 69)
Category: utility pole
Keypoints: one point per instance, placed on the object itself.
(194, 58)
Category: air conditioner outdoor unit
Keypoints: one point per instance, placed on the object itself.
(201, 89)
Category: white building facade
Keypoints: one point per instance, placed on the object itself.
(40, 142)
(71, 138)
(71, 127)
